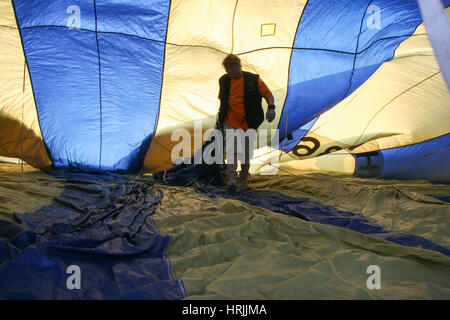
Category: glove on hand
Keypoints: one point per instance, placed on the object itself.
(219, 125)
(270, 115)
(220, 119)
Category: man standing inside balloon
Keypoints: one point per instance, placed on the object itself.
(240, 95)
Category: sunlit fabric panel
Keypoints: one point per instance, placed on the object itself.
(20, 134)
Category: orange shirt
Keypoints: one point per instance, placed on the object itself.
(236, 111)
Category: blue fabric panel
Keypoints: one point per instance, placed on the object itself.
(321, 61)
(377, 43)
(334, 54)
(330, 25)
(397, 18)
(317, 81)
(64, 69)
(370, 59)
(425, 160)
(131, 84)
(142, 18)
(302, 208)
(367, 62)
(97, 94)
(54, 13)
(101, 223)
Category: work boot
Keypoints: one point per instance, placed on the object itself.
(232, 179)
(242, 185)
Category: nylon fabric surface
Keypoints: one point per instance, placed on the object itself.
(174, 237)
(107, 93)
(348, 61)
(80, 130)
(225, 248)
(101, 223)
(305, 207)
(26, 193)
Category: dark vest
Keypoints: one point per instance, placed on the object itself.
(254, 114)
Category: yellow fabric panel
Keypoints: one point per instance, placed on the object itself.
(252, 14)
(268, 161)
(405, 101)
(20, 135)
(190, 85)
(191, 92)
(201, 23)
(10, 160)
(7, 17)
(197, 43)
(18, 140)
